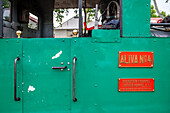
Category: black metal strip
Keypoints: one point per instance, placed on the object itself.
(121, 18)
(1, 18)
(80, 19)
(59, 67)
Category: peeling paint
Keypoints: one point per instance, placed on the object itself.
(57, 55)
(31, 88)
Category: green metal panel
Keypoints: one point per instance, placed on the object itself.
(97, 75)
(9, 50)
(106, 36)
(52, 87)
(136, 18)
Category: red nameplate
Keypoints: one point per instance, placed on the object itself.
(135, 59)
(127, 85)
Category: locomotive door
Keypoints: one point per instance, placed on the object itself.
(46, 75)
(97, 76)
(10, 76)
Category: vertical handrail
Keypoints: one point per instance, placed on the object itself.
(74, 65)
(15, 80)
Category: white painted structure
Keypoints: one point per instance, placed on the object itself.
(66, 30)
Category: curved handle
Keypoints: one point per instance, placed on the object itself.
(74, 62)
(118, 9)
(15, 80)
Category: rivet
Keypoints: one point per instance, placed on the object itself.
(95, 85)
(68, 69)
(61, 69)
(62, 63)
(68, 63)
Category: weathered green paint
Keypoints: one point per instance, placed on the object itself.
(9, 50)
(97, 75)
(136, 18)
(106, 36)
(97, 71)
(52, 87)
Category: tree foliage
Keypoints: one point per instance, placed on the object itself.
(90, 14)
(60, 14)
(6, 3)
(153, 12)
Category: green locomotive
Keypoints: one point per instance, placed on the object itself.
(123, 67)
